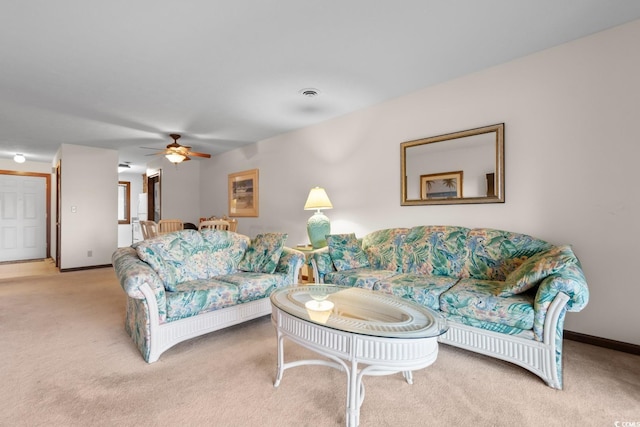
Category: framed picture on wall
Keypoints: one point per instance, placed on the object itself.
(445, 185)
(243, 193)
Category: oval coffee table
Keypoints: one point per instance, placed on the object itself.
(352, 326)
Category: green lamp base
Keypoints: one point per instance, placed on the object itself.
(318, 227)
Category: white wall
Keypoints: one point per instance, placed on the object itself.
(180, 187)
(27, 166)
(89, 206)
(571, 148)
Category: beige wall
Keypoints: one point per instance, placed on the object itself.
(180, 186)
(571, 176)
(89, 206)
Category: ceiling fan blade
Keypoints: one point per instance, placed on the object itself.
(193, 153)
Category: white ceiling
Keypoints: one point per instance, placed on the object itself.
(123, 74)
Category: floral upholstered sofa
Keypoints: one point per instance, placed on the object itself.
(503, 294)
(187, 283)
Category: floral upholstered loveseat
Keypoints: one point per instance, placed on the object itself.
(503, 294)
(187, 283)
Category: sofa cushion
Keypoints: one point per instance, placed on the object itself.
(227, 250)
(176, 257)
(536, 268)
(346, 252)
(384, 248)
(435, 250)
(199, 296)
(263, 254)
(357, 277)
(493, 254)
(252, 286)
(425, 290)
(476, 299)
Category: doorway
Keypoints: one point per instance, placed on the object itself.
(25, 212)
(154, 211)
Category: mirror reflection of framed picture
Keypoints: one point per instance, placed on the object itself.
(446, 185)
(243, 193)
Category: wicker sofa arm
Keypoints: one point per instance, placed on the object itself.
(321, 263)
(569, 281)
(290, 263)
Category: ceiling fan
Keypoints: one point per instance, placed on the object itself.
(177, 153)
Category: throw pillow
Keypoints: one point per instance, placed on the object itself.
(536, 268)
(263, 254)
(346, 252)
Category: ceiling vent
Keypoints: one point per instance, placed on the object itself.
(310, 92)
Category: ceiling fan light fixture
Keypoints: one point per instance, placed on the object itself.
(175, 158)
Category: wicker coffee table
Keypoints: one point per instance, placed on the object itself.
(351, 327)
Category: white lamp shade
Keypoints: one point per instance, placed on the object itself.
(317, 199)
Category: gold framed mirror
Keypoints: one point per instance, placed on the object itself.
(456, 168)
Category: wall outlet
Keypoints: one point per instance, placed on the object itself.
(89, 253)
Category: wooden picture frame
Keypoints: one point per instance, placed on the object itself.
(243, 194)
(445, 185)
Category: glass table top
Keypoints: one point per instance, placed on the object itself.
(359, 311)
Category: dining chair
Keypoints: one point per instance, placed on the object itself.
(217, 224)
(233, 224)
(169, 225)
(149, 229)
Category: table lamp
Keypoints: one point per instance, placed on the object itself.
(318, 226)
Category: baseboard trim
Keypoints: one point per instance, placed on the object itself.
(91, 267)
(603, 342)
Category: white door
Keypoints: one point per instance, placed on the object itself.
(22, 217)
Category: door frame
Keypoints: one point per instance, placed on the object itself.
(47, 178)
(152, 180)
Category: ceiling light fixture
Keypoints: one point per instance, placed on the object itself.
(309, 92)
(19, 158)
(175, 158)
(123, 167)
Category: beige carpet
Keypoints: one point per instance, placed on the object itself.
(65, 360)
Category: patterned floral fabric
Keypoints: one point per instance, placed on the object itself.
(493, 254)
(132, 273)
(476, 299)
(252, 286)
(536, 268)
(227, 250)
(346, 252)
(435, 250)
(136, 324)
(424, 290)
(185, 255)
(199, 296)
(384, 248)
(323, 262)
(357, 277)
(263, 254)
(570, 281)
